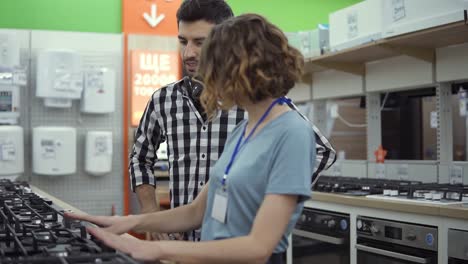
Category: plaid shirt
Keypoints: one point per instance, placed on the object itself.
(193, 145)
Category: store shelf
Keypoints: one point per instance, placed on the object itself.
(420, 44)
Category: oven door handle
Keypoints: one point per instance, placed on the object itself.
(319, 237)
(392, 254)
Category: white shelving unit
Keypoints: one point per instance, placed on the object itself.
(434, 57)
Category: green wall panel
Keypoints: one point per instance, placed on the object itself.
(69, 15)
(105, 15)
(292, 15)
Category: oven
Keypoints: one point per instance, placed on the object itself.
(321, 237)
(391, 242)
(457, 246)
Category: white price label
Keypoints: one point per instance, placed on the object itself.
(462, 106)
(456, 175)
(6, 75)
(403, 172)
(48, 149)
(103, 146)
(434, 119)
(399, 11)
(353, 29)
(8, 152)
(20, 77)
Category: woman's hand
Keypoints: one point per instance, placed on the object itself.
(113, 224)
(141, 250)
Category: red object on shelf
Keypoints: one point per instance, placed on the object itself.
(380, 154)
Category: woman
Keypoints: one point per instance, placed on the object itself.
(257, 187)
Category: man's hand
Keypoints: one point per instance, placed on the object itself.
(148, 204)
(147, 198)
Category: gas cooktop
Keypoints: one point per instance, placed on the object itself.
(33, 230)
(410, 191)
(360, 186)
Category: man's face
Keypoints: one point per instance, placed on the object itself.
(191, 37)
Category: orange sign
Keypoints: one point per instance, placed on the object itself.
(150, 70)
(150, 16)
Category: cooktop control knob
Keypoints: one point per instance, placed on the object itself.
(331, 224)
(374, 229)
(359, 224)
(303, 218)
(411, 237)
(343, 224)
(429, 239)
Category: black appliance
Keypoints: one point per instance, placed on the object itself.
(391, 242)
(457, 246)
(321, 237)
(33, 230)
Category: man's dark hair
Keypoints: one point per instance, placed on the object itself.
(213, 11)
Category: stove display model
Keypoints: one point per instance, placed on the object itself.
(429, 193)
(33, 230)
(361, 186)
(418, 201)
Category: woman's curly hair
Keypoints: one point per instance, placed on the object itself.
(246, 57)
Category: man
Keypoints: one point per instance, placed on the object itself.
(174, 115)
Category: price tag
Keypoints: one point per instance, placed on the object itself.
(456, 175)
(403, 172)
(48, 149)
(434, 119)
(20, 77)
(103, 146)
(8, 152)
(462, 102)
(399, 11)
(353, 29)
(6, 75)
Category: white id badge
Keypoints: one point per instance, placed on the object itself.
(220, 206)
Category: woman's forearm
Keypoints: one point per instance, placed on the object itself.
(245, 249)
(181, 219)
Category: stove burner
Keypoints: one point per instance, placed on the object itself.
(33, 230)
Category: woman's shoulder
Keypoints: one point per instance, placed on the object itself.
(292, 121)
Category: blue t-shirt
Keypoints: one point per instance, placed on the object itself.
(279, 159)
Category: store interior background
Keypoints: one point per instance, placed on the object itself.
(94, 29)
